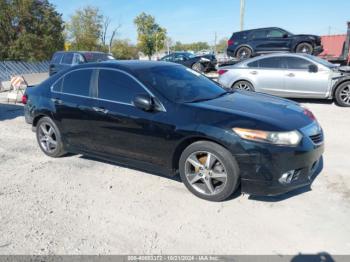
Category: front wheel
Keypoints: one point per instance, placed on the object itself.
(304, 48)
(209, 171)
(49, 138)
(342, 94)
(198, 67)
(243, 85)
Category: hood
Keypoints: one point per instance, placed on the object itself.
(316, 37)
(275, 114)
(345, 69)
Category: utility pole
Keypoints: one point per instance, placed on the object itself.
(215, 39)
(242, 14)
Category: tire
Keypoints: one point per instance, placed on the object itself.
(198, 67)
(222, 174)
(243, 85)
(342, 94)
(304, 48)
(244, 53)
(49, 138)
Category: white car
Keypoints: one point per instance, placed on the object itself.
(290, 75)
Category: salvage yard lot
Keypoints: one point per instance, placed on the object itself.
(76, 205)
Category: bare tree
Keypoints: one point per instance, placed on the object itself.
(106, 24)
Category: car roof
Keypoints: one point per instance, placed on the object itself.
(263, 28)
(80, 52)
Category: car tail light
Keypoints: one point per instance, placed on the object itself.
(222, 71)
(308, 113)
(24, 99)
(230, 42)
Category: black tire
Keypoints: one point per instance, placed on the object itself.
(46, 146)
(244, 52)
(222, 156)
(342, 94)
(243, 85)
(198, 67)
(304, 48)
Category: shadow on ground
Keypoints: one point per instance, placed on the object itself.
(314, 101)
(10, 111)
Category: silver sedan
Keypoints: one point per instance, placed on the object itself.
(290, 75)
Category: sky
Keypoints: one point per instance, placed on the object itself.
(198, 20)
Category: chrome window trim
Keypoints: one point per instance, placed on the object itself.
(96, 98)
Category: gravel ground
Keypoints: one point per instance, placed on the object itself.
(75, 205)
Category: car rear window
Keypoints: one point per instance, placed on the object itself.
(97, 57)
(271, 62)
(77, 82)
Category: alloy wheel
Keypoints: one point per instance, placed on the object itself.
(243, 86)
(206, 173)
(345, 94)
(47, 137)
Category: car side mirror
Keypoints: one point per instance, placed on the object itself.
(313, 68)
(144, 102)
(285, 36)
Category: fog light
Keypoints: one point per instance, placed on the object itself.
(289, 177)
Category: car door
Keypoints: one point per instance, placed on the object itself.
(276, 40)
(257, 40)
(73, 102)
(55, 63)
(301, 82)
(268, 74)
(121, 129)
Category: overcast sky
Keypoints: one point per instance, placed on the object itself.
(198, 20)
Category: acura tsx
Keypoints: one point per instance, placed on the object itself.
(167, 118)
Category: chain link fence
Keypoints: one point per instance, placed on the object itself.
(9, 68)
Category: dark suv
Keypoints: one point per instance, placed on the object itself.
(62, 60)
(249, 43)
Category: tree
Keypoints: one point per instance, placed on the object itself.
(221, 46)
(105, 28)
(150, 35)
(85, 29)
(123, 49)
(30, 30)
(196, 46)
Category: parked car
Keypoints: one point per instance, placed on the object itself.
(290, 75)
(62, 60)
(245, 44)
(201, 63)
(165, 118)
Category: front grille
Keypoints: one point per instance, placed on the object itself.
(317, 139)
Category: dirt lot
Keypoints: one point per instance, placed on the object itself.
(75, 205)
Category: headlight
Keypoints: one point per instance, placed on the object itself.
(291, 138)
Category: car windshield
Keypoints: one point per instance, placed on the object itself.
(180, 84)
(321, 61)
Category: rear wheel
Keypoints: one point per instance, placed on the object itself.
(305, 48)
(198, 67)
(49, 138)
(209, 171)
(243, 85)
(342, 94)
(243, 53)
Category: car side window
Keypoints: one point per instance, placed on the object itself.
(67, 58)
(258, 34)
(57, 87)
(167, 58)
(253, 64)
(271, 62)
(298, 63)
(179, 57)
(78, 59)
(77, 82)
(275, 33)
(56, 59)
(117, 86)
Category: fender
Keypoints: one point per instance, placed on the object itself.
(340, 80)
(245, 45)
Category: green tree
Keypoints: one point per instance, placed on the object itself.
(30, 30)
(85, 28)
(221, 45)
(123, 49)
(151, 36)
(196, 46)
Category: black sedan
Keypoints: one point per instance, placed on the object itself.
(166, 118)
(202, 63)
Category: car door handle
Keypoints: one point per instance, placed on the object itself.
(100, 110)
(57, 101)
(291, 75)
(254, 72)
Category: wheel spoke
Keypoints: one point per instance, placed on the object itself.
(51, 131)
(209, 185)
(194, 161)
(193, 178)
(210, 161)
(43, 129)
(219, 176)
